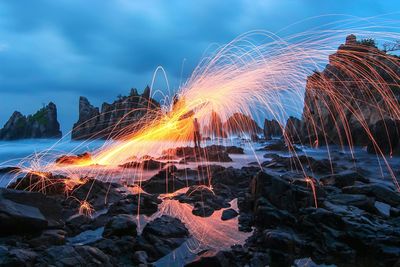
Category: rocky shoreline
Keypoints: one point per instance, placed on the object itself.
(344, 218)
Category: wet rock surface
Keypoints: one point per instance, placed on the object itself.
(341, 229)
(72, 159)
(163, 235)
(341, 216)
(149, 164)
(213, 153)
(165, 181)
(38, 229)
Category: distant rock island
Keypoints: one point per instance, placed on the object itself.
(42, 124)
(127, 114)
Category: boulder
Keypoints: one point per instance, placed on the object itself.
(379, 191)
(48, 238)
(228, 214)
(149, 164)
(17, 257)
(68, 255)
(74, 160)
(203, 210)
(130, 204)
(99, 194)
(43, 182)
(23, 212)
(140, 257)
(120, 225)
(347, 178)
(210, 258)
(164, 234)
(163, 182)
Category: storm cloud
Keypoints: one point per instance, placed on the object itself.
(58, 50)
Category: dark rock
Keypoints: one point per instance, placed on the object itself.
(266, 215)
(282, 194)
(119, 249)
(210, 258)
(163, 182)
(359, 201)
(10, 169)
(241, 124)
(282, 240)
(205, 201)
(43, 182)
(347, 178)
(72, 159)
(164, 234)
(78, 223)
(327, 120)
(386, 134)
(68, 255)
(17, 257)
(47, 238)
(277, 145)
(23, 212)
(99, 194)
(228, 214)
(120, 225)
(293, 130)
(148, 205)
(42, 124)
(272, 128)
(123, 115)
(379, 191)
(203, 210)
(140, 257)
(216, 153)
(149, 164)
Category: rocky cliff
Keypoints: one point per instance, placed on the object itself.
(239, 123)
(125, 115)
(42, 124)
(272, 128)
(353, 101)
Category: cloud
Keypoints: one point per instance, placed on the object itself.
(101, 48)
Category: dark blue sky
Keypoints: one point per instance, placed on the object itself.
(58, 50)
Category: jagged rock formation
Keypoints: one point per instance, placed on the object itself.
(42, 124)
(215, 127)
(125, 115)
(272, 128)
(354, 98)
(239, 123)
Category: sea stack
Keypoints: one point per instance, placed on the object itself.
(126, 113)
(42, 124)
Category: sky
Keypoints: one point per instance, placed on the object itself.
(58, 50)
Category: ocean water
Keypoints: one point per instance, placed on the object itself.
(21, 152)
(13, 152)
